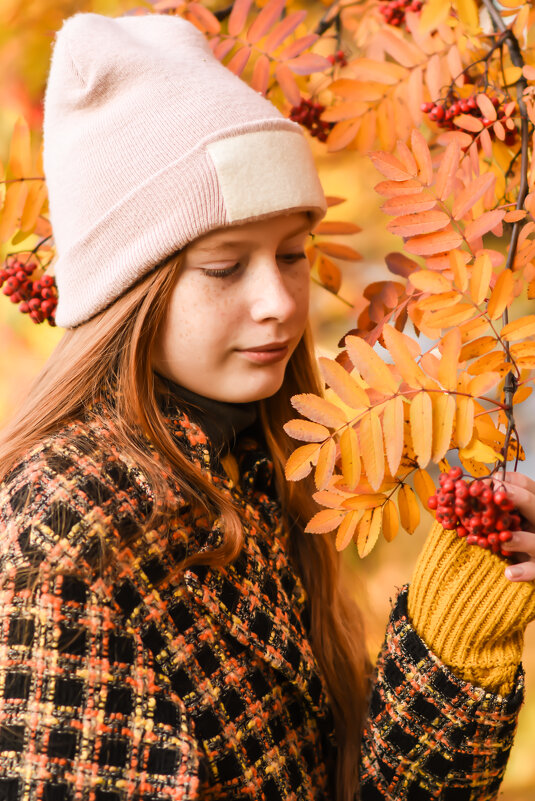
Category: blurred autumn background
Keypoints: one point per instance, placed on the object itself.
(27, 31)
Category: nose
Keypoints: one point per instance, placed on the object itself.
(273, 293)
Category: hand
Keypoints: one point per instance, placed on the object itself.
(521, 490)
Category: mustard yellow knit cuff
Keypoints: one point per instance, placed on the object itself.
(467, 612)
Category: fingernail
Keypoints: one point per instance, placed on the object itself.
(513, 571)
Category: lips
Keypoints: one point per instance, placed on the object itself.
(268, 347)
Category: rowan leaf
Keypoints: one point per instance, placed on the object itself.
(14, 201)
(329, 274)
(396, 345)
(450, 317)
(347, 529)
(283, 29)
(355, 90)
(447, 169)
(486, 106)
(20, 160)
(458, 265)
(478, 347)
(424, 486)
(260, 76)
(339, 251)
(419, 223)
(364, 501)
(479, 452)
(370, 365)
(333, 500)
(483, 224)
(393, 431)
(299, 463)
(439, 242)
(324, 521)
(368, 531)
(443, 419)
(265, 20)
(429, 281)
(325, 465)
(390, 166)
(307, 63)
(296, 48)
(208, 21)
(390, 520)
(491, 362)
(442, 300)
(464, 420)
(399, 264)
(350, 455)
(483, 383)
(409, 511)
(343, 383)
(409, 204)
(239, 60)
(447, 369)
(472, 193)
(336, 227)
(480, 278)
(288, 84)
(520, 328)
(319, 410)
(371, 448)
(238, 16)
(33, 205)
(421, 422)
(306, 431)
(469, 123)
(367, 69)
(423, 157)
(394, 188)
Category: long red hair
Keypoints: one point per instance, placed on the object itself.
(113, 351)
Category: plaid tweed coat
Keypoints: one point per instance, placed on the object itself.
(127, 685)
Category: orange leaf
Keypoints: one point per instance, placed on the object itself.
(336, 227)
(296, 48)
(402, 51)
(472, 193)
(319, 410)
(329, 274)
(518, 329)
(483, 224)
(366, 69)
(502, 295)
(299, 465)
(338, 251)
(34, 203)
(353, 90)
(403, 359)
(480, 278)
(395, 188)
(403, 153)
(421, 223)
(325, 466)
(481, 384)
(464, 421)
(223, 48)
(409, 204)
(370, 365)
(424, 486)
(443, 417)
(350, 455)
(421, 419)
(409, 511)
(393, 432)
(260, 76)
(415, 94)
(390, 520)
(429, 244)
(468, 123)
(343, 384)
(209, 22)
(287, 83)
(324, 521)
(457, 259)
(368, 531)
(442, 300)
(265, 20)
(390, 166)
(346, 530)
(486, 106)
(478, 347)
(238, 16)
(239, 60)
(491, 362)
(361, 502)
(13, 206)
(307, 63)
(451, 316)
(515, 215)
(422, 156)
(399, 264)
(283, 29)
(345, 112)
(447, 370)
(449, 164)
(342, 135)
(20, 161)
(306, 430)
(371, 448)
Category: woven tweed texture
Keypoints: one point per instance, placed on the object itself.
(119, 682)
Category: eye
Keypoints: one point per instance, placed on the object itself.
(223, 272)
(294, 256)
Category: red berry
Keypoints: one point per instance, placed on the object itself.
(432, 502)
(455, 473)
(504, 536)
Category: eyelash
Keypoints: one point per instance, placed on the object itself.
(230, 270)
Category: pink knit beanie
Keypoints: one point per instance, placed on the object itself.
(150, 142)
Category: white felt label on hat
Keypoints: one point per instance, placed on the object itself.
(262, 172)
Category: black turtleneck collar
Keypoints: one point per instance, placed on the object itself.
(222, 422)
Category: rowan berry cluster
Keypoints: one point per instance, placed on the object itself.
(308, 114)
(484, 516)
(338, 57)
(444, 113)
(37, 298)
(394, 10)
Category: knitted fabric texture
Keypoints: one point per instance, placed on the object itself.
(121, 680)
(150, 142)
(468, 612)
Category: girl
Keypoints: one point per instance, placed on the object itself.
(168, 631)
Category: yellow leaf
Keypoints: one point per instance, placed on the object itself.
(368, 531)
(493, 362)
(306, 431)
(319, 410)
(325, 466)
(409, 511)
(473, 328)
(421, 418)
(433, 14)
(299, 465)
(338, 251)
(367, 69)
(519, 329)
(424, 486)
(403, 358)
(447, 318)
(370, 365)
(20, 160)
(481, 384)
(324, 521)
(442, 300)
(333, 500)
(390, 520)
(478, 347)
(346, 530)
(336, 227)
(371, 448)
(458, 266)
(350, 455)
(468, 13)
(513, 74)
(464, 421)
(480, 278)
(424, 222)
(393, 431)
(33, 205)
(479, 452)
(13, 207)
(361, 502)
(443, 417)
(422, 156)
(447, 369)
(429, 281)
(430, 244)
(472, 193)
(343, 384)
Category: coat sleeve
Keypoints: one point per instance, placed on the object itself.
(437, 726)
(83, 713)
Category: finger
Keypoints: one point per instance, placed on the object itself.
(523, 499)
(525, 571)
(519, 480)
(523, 541)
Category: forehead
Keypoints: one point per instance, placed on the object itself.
(251, 234)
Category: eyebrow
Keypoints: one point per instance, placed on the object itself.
(232, 242)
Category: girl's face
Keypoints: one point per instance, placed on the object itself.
(238, 310)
